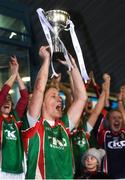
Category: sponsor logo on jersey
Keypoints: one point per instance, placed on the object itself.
(10, 135)
(57, 143)
(116, 144)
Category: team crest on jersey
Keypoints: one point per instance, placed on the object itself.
(80, 142)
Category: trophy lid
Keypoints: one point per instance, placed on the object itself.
(57, 17)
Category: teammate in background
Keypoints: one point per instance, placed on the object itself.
(12, 154)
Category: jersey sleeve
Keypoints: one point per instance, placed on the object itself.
(30, 132)
(3, 93)
(33, 127)
(22, 103)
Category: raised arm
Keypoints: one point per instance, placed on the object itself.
(14, 67)
(40, 84)
(107, 79)
(94, 84)
(120, 99)
(101, 102)
(22, 102)
(9, 83)
(79, 95)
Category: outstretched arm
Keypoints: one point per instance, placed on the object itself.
(14, 67)
(107, 79)
(9, 83)
(120, 97)
(40, 84)
(22, 102)
(94, 84)
(79, 95)
(101, 102)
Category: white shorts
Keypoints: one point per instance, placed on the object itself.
(11, 176)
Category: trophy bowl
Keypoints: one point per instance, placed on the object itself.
(57, 19)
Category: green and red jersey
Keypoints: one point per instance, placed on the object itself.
(48, 148)
(10, 136)
(80, 145)
(11, 145)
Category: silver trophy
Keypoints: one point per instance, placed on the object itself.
(53, 22)
(57, 19)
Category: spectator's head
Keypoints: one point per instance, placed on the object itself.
(7, 106)
(91, 160)
(115, 120)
